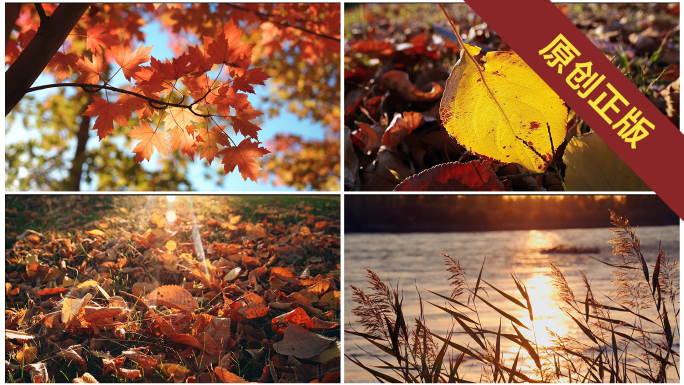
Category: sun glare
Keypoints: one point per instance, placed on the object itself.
(171, 216)
(547, 314)
(171, 198)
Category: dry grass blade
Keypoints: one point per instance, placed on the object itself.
(618, 309)
(503, 313)
(584, 329)
(437, 366)
(453, 369)
(459, 347)
(508, 296)
(471, 333)
(526, 344)
(497, 352)
(612, 264)
(616, 362)
(479, 276)
(371, 339)
(451, 300)
(378, 375)
(453, 313)
(656, 271)
(586, 307)
(515, 364)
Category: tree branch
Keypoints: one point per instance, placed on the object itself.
(287, 25)
(44, 18)
(98, 87)
(12, 11)
(42, 48)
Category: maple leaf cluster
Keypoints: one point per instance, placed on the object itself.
(192, 118)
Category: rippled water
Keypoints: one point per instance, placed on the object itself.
(415, 260)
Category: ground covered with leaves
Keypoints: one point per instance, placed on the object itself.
(157, 289)
(398, 58)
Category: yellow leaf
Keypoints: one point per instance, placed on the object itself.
(27, 355)
(593, 166)
(331, 299)
(170, 245)
(179, 118)
(235, 219)
(158, 220)
(95, 233)
(509, 127)
(72, 306)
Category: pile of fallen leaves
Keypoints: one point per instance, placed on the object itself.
(200, 289)
(396, 68)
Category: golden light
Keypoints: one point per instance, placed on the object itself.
(547, 314)
(171, 216)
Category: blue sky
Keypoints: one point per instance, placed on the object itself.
(283, 123)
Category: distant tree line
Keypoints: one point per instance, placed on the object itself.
(433, 213)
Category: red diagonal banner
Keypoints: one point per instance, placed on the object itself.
(594, 88)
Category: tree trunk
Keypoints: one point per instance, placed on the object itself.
(82, 136)
(12, 11)
(42, 48)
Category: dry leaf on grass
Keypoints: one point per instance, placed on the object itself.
(172, 296)
(301, 343)
(227, 377)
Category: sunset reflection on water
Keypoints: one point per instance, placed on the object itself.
(414, 260)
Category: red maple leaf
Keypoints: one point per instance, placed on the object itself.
(229, 98)
(199, 59)
(241, 123)
(253, 76)
(243, 156)
(61, 65)
(185, 140)
(149, 140)
(198, 86)
(222, 49)
(148, 83)
(130, 60)
(107, 113)
(99, 36)
(90, 70)
(209, 149)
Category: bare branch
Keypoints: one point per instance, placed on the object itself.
(154, 103)
(44, 18)
(287, 25)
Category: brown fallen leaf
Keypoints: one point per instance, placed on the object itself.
(130, 374)
(73, 353)
(323, 325)
(301, 343)
(175, 372)
(401, 126)
(174, 297)
(254, 306)
(38, 372)
(297, 316)
(145, 361)
(51, 291)
(398, 81)
(227, 377)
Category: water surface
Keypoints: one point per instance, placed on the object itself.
(414, 259)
